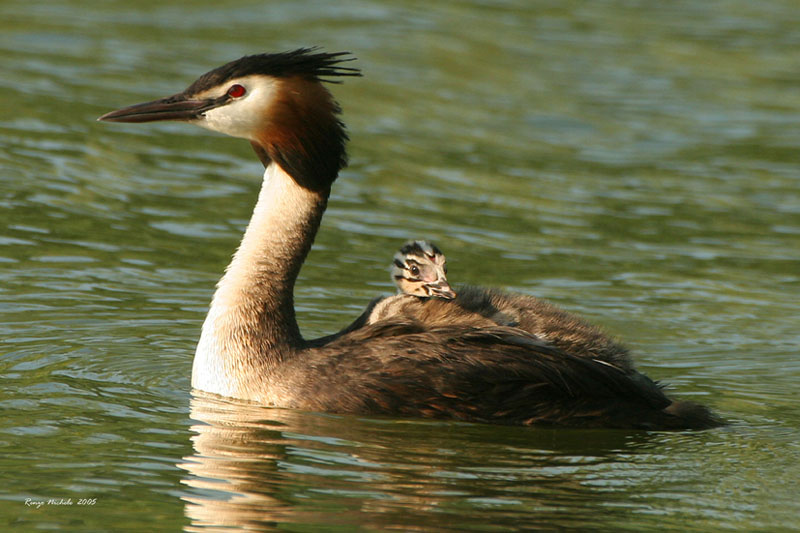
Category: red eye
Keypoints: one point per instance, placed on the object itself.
(236, 91)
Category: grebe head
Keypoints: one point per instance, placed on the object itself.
(420, 269)
(276, 101)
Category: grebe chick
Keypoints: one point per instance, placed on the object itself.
(251, 347)
(419, 269)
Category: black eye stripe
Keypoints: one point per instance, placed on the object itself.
(416, 265)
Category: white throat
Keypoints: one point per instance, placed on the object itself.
(250, 327)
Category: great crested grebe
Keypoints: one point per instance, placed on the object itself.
(419, 269)
(251, 347)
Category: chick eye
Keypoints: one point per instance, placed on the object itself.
(414, 270)
(236, 91)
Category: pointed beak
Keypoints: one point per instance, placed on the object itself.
(441, 289)
(176, 107)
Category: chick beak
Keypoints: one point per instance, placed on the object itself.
(441, 289)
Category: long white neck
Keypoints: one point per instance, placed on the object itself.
(251, 325)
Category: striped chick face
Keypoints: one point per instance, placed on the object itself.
(420, 269)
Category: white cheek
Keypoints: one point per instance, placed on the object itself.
(238, 119)
(242, 117)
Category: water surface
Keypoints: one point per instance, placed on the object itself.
(632, 162)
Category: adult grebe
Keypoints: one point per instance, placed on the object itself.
(251, 347)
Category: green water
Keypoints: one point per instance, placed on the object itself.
(634, 162)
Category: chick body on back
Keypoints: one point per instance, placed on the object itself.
(419, 270)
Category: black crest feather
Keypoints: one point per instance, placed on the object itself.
(306, 62)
